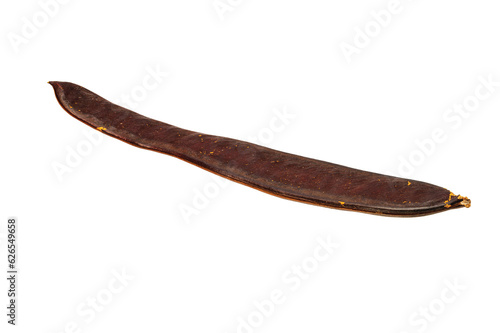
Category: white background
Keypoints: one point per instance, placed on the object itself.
(118, 209)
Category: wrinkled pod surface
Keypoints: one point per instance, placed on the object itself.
(278, 173)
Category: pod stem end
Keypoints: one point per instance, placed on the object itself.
(465, 201)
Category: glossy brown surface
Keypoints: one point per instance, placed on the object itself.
(282, 174)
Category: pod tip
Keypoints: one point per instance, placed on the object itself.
(465, 201)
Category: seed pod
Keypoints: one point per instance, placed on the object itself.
(278, 173)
